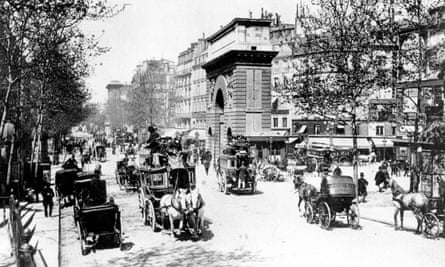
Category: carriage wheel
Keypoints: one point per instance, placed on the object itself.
(151, 216)
(83, 248)
(324, 215)
(333, 216)
(308, 212)
(431, 226)
(354, 216)
(145, 214)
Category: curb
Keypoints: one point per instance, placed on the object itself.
(59, 250)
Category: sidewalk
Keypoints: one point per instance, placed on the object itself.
(46, 236)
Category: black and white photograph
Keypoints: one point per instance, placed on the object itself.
(222, 133)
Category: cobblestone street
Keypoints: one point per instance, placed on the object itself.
(264, 229)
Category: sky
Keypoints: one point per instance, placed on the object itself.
(154, 29)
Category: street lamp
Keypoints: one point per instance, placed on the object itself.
(384, 149)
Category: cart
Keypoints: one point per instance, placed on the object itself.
(432, 184)
(126, 176)
(155, 183)
(336, 197)
(87, 193)
(99, 226)
(101, 154)
(229, 164)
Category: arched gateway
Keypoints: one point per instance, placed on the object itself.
(238, 81)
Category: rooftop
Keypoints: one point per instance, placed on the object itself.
(237, 21)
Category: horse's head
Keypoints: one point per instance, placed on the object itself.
(395, 187)
(196, 199)
(298, 181)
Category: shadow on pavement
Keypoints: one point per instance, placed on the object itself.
(188, 255)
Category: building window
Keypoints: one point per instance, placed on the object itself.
(284, 121)
(340, 129)
(394, 130)
(275, 122)
(379, 130)
(317, 129)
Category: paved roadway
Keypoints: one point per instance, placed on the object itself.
(264, 229)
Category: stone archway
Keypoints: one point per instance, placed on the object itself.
(220, 104)
(219, 110)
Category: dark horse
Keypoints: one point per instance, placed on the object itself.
(416, 202)
(305, 190)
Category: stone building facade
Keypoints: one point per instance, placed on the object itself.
(239, 81)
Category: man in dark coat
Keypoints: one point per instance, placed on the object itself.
(48, 203)
(362, 185)
(243, 175)
(414, 180)
(153, 139)
(207, 160)
(381, 179)
(71, 163)
(337, 171)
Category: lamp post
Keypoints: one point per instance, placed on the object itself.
(384, 149)
(410, 136)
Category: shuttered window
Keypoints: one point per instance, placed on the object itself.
(253, 89)
(253, 123)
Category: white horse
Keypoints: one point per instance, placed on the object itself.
(197, 204)
(174, 206)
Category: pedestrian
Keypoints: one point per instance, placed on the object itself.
(48, 203)
(362, 187)
(407, 170)
(207, 159)
(337, 171)
(381, 179)
(414, 180)
(98, 170)
(243, 175)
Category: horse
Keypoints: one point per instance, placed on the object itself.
(197, 204)
(174, 205)
(305, 191)
(416, 202)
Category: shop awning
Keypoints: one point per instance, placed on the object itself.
(292, 140)
(362, 143)
(302, 129)
(383, 142)
(198, 133)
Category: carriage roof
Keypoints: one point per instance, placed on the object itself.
(338, 186)
(342, 179)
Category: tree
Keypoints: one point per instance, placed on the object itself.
(344, 60)
(44, 59)
(146, 99)
(419, 55)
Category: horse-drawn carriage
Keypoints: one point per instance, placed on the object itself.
(98, 220)
(162, 193)
(336, 196)
(65, 179)
(235, 172)
(88, 191)
(99, 226)
(126, 175)
(432, 185)
(101, 154)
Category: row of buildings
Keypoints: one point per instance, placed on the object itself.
(255, 63)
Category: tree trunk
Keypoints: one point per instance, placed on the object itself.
(355, 150)
(11, 153)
